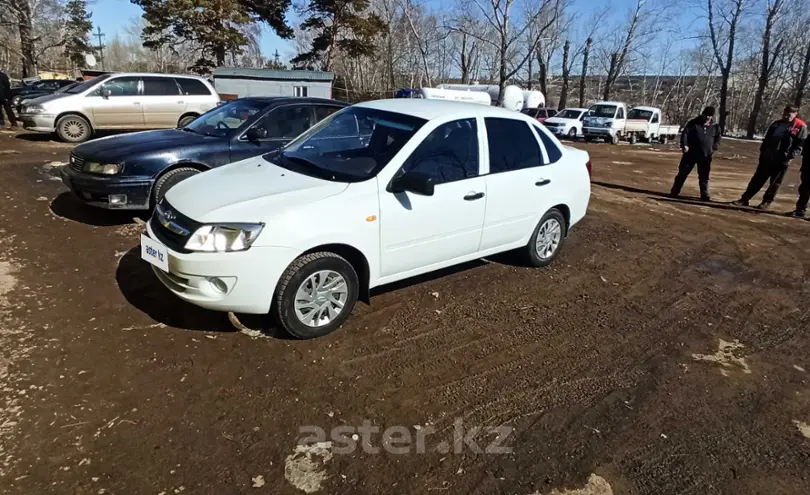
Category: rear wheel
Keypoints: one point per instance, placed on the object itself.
(633, 139)
(547, 240)
(73, 129)
(186, 120)
(315, 295)
(169, 180)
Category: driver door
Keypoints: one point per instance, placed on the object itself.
(279, 127)
(122, 108)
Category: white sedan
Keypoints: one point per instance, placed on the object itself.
(567, 123)
(375, 193)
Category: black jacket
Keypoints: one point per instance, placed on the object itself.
(701, 140)
(789, 146)
(5, 86)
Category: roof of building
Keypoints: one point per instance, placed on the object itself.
(430, 109)
(273, 74)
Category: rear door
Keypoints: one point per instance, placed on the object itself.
(521, 176)
(116, 104)
(197, 96)
(281, 125)
(162, 103)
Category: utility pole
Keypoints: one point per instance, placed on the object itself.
(276, 57)
(100, 35)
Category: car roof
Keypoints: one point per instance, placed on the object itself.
(152, 74)
(616, 103)
(577, 109)
(431, 109)
(649, 109)
(272, 100)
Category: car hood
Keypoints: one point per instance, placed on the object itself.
(560, 120)
(40, 100)
(113, 149)
(248, 192)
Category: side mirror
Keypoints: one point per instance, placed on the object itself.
(256, 133)
(105, 93)
(414, 182)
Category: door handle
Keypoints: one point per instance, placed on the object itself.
(472, 196)
(542, 182)
(180, 102)
(137, 103)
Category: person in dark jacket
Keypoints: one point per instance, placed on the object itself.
(783, 142)
(5, 101)
(700, 138)
(804, 187)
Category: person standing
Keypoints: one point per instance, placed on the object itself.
(783, 142)
(700, 138)
(804, 187)
(5, 97)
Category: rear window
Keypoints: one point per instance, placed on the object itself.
(192, 87)
(552, 150)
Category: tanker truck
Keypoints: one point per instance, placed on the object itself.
(513, 96)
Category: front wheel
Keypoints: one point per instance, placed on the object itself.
(169, 180)
(315, 295)
(73, 129)
(614, 139)
(547, 240)
(572, 134)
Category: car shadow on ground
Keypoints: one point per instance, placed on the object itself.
(141, 288)
(66, 205)
(42, 137)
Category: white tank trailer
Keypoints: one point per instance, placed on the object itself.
(512, 95)
(453, 95)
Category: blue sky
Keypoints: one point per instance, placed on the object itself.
(115, 16)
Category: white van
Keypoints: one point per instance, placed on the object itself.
(605, 120)
(120, 101)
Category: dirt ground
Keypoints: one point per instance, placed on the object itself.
(665, 352)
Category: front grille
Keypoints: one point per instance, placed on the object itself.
(76, 162)
(171, 227)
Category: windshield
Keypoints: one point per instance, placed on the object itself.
(639, 114)
(349, 146)
(82, 87)
(603, 111)
(569, 114)
(225, 120)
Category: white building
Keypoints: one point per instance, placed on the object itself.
(270, 82)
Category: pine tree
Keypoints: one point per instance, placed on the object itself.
(339, 25)
(77, 32)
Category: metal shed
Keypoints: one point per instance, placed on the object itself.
(271, 82)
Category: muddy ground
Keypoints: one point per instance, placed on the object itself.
(665, 352)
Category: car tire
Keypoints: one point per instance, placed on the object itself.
(299, 278)
(169, 180)
(614, 139)
(73, 129)
(572, 134)
(186, 120)
(633, 139)
(547, 240)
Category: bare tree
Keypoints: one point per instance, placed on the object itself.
(508, 32)
(730, 17)
(619, 58)
(566, 75)
(767, 61)
(585, 54)
(801, 86)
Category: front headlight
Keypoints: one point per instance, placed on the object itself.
(33, 109)
(102, 168)
(224, 237)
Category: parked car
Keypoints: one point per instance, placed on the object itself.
(605, 120)
(29, 99)
(540, 114)
(38, 88)
(304, 231)
(644, 123)
(121, 101)
(567, 123)
(134, 171)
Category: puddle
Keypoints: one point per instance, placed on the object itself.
(725, 357)
(304, 468)
(596, 485)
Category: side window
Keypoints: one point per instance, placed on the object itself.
(300, 91)
(345, 125)
(552, 149)
(655, 118)
(512, 146)
(159, 86)
(323, 112)
(192, 87)
(582, 116)
(120, 86)
(620, 113)
(448, 154)
(366, 126)
(286, 122)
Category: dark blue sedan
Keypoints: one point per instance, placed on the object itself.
(134, 171)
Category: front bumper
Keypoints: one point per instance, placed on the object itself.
(96, 190)
(38, 122)
(599, 131)
(251, 277)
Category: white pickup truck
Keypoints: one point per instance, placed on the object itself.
(605, 120)
(644, 124)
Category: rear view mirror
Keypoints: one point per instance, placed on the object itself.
(105, 93)
(256, 133)
(414, 182)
